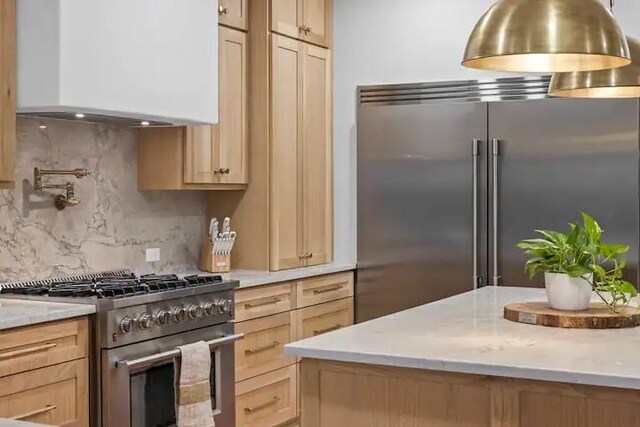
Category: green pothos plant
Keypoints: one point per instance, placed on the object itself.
(581, 253)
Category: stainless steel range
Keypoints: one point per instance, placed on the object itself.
(139, 324)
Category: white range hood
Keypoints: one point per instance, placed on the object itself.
(124, 61)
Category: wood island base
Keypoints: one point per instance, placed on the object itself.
(336, 394)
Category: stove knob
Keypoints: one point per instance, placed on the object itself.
(126, 324)
(179, 314)
(195, 311)
(210, 308)
(145, 321)
(224, 305)
(163, 317)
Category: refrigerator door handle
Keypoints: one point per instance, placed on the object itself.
(475, 155)
(495, 155)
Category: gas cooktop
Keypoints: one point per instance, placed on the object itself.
(121, 285)
(118, 289)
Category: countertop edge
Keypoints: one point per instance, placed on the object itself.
(34, 319)
(272, 277)
(536, 374)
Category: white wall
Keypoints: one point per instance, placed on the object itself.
(383, 41)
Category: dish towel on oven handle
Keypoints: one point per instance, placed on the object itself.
(193, 391)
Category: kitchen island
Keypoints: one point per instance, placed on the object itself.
(458, 362)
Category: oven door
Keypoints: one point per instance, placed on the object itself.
(138, 379)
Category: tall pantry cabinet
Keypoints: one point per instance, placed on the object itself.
(7, 92)
(285, 217)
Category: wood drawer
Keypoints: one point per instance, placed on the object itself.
(261, 301)
(267, 400)
(261, 350)
(55, 395)
(37, 346)
(327, 317)
(317, 290)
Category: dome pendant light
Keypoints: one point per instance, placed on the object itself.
(547, 36)
(623, 82)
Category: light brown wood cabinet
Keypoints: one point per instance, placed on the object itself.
(271, 316)
(233, 13)
(44, 373)
(306, 20)
(301, 194)
(285, 217)
(7, 92)
(204, 157)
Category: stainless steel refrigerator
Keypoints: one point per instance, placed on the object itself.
(452, 175)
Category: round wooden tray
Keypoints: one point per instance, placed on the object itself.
(598, 316)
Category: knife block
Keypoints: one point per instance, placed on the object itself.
(214, 263)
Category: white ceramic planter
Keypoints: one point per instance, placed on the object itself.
(567, 293)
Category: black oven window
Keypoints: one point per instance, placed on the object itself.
(153, 397)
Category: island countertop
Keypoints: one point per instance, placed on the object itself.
(468, 334)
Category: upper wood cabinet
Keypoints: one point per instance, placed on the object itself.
(307, 20)
(7, 92)
(233, 13)
(204, 157)
(284, 218)
(301, 187)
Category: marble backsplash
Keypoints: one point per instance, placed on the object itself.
(114, 223)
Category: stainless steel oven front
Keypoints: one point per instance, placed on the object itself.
(138, 379)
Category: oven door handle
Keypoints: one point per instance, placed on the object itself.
(148, 361)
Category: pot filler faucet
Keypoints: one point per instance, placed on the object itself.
(61, 201)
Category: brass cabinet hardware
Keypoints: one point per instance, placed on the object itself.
(327, 289)
(221, 171)
(322, 331)
(301, 29)
(307, 30)
(16, 353)
(306, 255)
(222, 10)
(271, 346)
(34, 412)
(252, 409)
(262, 303)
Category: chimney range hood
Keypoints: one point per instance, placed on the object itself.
(130, 62)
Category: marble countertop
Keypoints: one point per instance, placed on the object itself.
(250, 278)
(15, 313)
(467, 334)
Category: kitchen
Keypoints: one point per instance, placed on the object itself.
(284, 164)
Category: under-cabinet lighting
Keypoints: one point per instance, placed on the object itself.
(79, 116)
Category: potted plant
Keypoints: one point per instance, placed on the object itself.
(576, 263)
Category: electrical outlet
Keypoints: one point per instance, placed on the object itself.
(153, 254)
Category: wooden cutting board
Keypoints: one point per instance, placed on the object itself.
(598, 316)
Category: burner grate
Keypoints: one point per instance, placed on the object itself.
(120, 274)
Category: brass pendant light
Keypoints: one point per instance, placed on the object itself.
(623, 82)
(547, 36)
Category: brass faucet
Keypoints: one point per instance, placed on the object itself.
(61, 201)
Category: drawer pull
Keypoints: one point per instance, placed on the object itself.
(261, 349)
(35, 412)
(16, 353)
(327, 289)
(254, 409)
(262, 303)
(322, 331)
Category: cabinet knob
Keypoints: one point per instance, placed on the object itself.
(225, 171)
(307, 30)
(222, 10)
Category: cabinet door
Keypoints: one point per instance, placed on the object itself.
(286, 17)
(286, 107)
(200, 164)
(233, 125)
(233, 13)
(7, 89)
(315, 14)
(316, 156)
